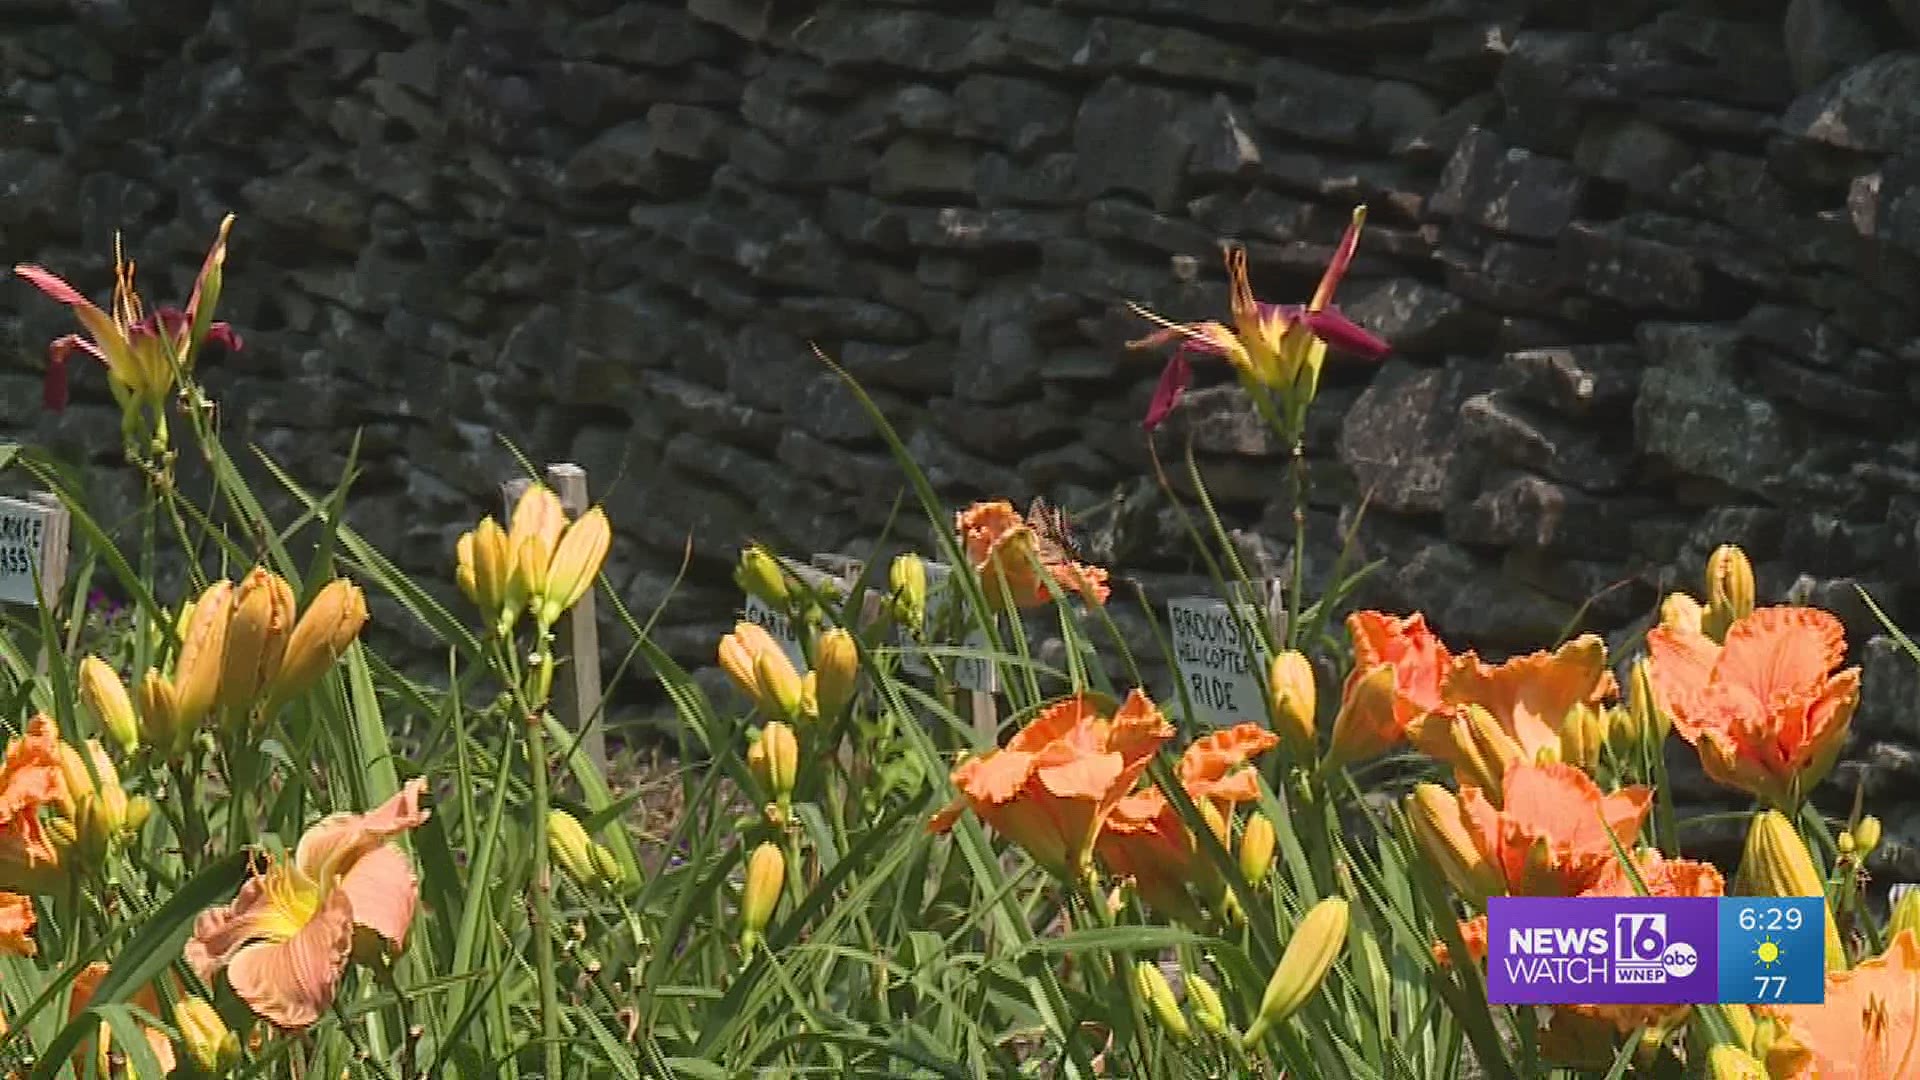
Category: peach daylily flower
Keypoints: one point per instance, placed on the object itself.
(1145, 838)
(285, 940)
(1766, 711)
(1004, 550)
(1550, 838)
(1868, 1029)
(1531, 695)
(100, 1047)
(1053, 785)
(1420, 661)
(30, 778)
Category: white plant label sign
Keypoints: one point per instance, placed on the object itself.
(1209, 648)
(778, 627)
(975, 673)
(33, 539)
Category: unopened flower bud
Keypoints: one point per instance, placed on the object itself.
(1292, 697)
(1866, 835)
(1256, 848)
(1152, 984)
(139, 809)
(1776, 863)
(780, 685)
(759, 576)
(836, 669)
(1647, 717)
(612, 874)
(1623, 732)
(907, 578)
(263, 615)
(1434, 814)
(774, 760)
(1905, 914)
(1208, 1011)
(1309, 955)
(1844, 842)
(106, 697)
(196, 674)
(1681, 612)
(1728, 1062)
(1365, 727)
(1730, 591)
(766, 873)
(575, 565)
(571, 847)
(160, 717)
(329, 625)
(207, 1039)
(1582, 736)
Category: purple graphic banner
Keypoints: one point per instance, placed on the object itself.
(1614, 950)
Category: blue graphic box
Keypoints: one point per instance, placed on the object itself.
(1612, 950)
(1773, 950)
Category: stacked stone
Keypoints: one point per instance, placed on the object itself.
(1648, 271)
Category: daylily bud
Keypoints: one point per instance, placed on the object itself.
(1729, 591)
(766, 873)
(1207, 1009)
(139, 809)
(1844, 842)
(184, 619)
(1547, 755)
(1866, 835)
(836, 667)
(1681, 612)
(106, 697)
(324, 631)
(196, 674)
(207, 1039)
(1365, 725)
(263, 611)
(1728, 1062)
(160, 717)
(774, 760)
(1315, 945)
(759, 575)
(1647, 716)
(1482, 751)
(1152, 984)
(1582, 735)
(1776, 863)
(1623, 732)
(1740, 1019)
(1256, 848)
(612, 874)
(576, 565)
(535, 531)
(1905, 914)
(571, 847)
(1291, 696)
(1434, 813)
(779, 683)
(809, 696)
(484, 565)
(907, 577)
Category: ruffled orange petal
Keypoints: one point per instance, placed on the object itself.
(995, 777)
(1682, 666)
(330, 847)
(384, 893)
(1777, 652)
(1473, 935)
(1211, 766)
(291, 983)
(1531, 695)
(1869, 1027)
(16, 925)
(1420, 659)
(1063, 719)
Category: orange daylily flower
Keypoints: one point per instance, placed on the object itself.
(1530, 695)
(1145, 838)
(1004, 550)
(1868, 1029)
(1473, 935)
(1052, 786)
(1766, 711)
(285, 940)
(30, 778)
(16, 925)
(99, 1048)
(1371, 725)
(1550, 838)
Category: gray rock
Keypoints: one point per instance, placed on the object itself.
(1824, 38)
(1607, 260)
(1506, 427)
(1516, 509)
(1022, 115)
(1694, 414)
(1874, 107)
(1000, 354)
(1511, 191)
(1110, 154)
(1401, 438)
(918, 41)
(1412, 315)
(1578, 380)
(917, 168)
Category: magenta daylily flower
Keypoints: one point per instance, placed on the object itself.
(1279, 346)
(138, 350)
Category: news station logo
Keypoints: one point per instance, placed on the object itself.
(1601, 951)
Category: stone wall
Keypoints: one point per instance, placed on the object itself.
(1649, 268)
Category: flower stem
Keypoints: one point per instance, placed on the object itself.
(542, 887)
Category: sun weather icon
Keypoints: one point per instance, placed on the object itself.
(1768, 952)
